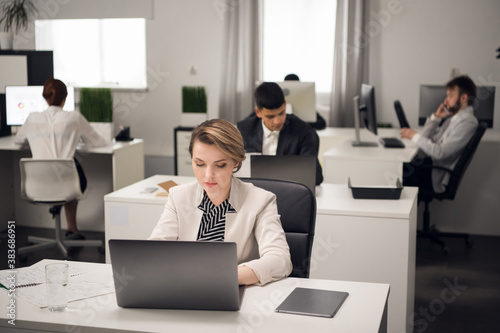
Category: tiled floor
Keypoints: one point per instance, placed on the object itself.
(458, 292)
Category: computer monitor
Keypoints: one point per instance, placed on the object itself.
(22, 100)
(431, 96)
(365, 113)
(302, 98)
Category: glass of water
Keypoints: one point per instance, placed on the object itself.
(56, 276)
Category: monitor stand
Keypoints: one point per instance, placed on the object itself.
(357, 142)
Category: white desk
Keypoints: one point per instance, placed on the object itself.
(360, 240)
(364, 311)
(365, 165)
(107, 168)
(368, 240)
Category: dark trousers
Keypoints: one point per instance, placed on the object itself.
(418, 172)
(81, 175)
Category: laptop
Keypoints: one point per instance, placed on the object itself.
(300, 169)
(175, 274)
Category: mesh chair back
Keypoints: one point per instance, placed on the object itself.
(49, 180)
(297, 207)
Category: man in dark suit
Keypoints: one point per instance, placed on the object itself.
(271, 131)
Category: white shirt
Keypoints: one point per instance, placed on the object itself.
(55, 133)
(269, 140)
(436, 120)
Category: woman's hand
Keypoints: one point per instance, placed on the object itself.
(246, 276)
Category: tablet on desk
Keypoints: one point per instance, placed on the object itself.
(313, 302)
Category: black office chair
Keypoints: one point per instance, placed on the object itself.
(456, 175)
(52, 182)
(297, 207)
(403, 122)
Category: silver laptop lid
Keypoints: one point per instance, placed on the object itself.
(175, 274)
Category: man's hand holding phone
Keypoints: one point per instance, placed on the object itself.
(442, 111)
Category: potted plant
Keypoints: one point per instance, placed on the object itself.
(96, 105)
(194, 105)
(15, 16)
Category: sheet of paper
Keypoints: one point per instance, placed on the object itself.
(82, 284)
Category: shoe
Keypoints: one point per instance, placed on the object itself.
(70, 235)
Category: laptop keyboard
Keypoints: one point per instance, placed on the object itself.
(392, 143)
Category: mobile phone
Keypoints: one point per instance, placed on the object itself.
(149, 189)
(448, 112)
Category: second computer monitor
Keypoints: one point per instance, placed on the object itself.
(302, 97)
(431, 96)
(365, 113)
(367, 109)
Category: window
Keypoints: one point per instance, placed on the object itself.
(96, 52)
(298, 38)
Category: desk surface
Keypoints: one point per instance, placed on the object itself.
(345, 148)
(7, 143)
(363, 311)
(334, 199)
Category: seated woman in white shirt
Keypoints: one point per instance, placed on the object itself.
(220, 207)
(55, 133)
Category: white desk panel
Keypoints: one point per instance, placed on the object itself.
(366, 165)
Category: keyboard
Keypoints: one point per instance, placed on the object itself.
(392, 143)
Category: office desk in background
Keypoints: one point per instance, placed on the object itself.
(107, 169)
(358, 240)
(365, 165)
(365, 310)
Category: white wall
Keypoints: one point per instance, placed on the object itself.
(181, 34)
(420, 43)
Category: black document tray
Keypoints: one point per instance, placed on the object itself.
(391, 193)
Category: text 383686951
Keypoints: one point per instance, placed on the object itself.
(11, 263)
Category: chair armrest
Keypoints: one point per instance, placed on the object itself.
(436, 167)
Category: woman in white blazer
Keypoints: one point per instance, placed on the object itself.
(220, 207)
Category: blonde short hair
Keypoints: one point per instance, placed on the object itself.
(224, 135)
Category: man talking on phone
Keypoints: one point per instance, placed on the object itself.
(443, 138)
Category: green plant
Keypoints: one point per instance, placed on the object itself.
(96, 104)
(194, 100)
(15, 14)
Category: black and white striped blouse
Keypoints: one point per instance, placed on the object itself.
(213, 222)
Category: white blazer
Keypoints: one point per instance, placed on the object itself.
(255, 227)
